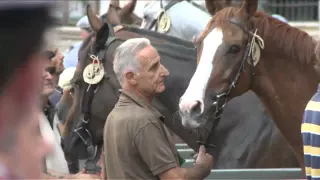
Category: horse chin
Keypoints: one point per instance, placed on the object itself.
(190, 123)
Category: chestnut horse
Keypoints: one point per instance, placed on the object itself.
(242, 49)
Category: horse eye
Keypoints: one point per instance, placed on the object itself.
(234, 49)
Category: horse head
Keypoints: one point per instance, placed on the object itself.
(94, 47)
(224, 49)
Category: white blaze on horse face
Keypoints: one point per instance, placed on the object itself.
(198, 84)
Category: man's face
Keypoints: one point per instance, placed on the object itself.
(150, 78)
(48, 86)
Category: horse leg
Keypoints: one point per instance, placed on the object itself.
(91, 166)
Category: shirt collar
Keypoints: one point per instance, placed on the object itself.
(125, 95)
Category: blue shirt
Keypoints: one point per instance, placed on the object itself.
(71, 58)
(310, 130)
(55, 98)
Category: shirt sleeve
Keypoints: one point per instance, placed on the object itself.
(154, 149)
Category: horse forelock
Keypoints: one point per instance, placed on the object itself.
(295, 43)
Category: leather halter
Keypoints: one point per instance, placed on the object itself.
(222, 98)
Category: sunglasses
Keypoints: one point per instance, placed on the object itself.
(51, 70)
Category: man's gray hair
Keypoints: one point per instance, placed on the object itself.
(125, 58)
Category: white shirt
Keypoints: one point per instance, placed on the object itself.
(55, 160)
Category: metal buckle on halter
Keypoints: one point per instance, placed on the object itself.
(92, 150)
(85, 121)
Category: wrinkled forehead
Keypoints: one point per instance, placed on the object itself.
(148, 55)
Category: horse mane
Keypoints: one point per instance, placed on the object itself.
(292, 41)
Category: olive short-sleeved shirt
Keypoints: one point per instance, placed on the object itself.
(137, 144)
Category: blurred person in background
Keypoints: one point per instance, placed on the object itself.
(55, 57)
(71, 57)
(55, 162)
(22, 28)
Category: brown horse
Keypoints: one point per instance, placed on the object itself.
(242, 49)
(237, 145)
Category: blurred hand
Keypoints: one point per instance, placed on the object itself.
(203, 159)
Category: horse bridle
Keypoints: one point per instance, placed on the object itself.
(90, 90)
(217, 109)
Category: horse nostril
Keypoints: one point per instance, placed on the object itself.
(196, 108)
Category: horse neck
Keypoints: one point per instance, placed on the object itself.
(285, 84)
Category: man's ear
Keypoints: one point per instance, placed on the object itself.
(131, 78)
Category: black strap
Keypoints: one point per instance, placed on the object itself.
(87, 100)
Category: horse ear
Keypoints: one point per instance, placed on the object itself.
(102, 36)
(93, 19)
(249, 7)
(214, 6)
(126, 12)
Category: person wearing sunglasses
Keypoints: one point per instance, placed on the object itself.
(55, 68)
(55, 162)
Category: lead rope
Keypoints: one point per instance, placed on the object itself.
(256, 45)
(254, 38)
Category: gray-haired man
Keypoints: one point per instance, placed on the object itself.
(137, 144)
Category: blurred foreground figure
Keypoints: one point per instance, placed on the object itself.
(22, 148)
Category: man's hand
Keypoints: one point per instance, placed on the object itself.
(203, 159)
(57, 61)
